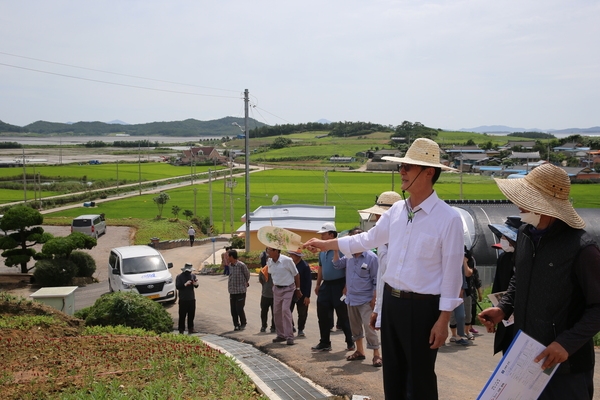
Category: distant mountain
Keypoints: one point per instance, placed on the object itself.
(508, 129)
(593, 129)
(493, 129)
(189, 127)
(4, 127)
(324, 121)
(117, 122)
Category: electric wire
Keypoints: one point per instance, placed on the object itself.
(119, 84)
(117, 73)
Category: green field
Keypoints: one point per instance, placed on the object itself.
(129, 172)
(347, 191)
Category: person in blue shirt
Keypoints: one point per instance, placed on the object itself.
(329, 290)
(361, 281)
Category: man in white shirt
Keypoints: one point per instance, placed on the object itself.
(286, 283)
(423, 277)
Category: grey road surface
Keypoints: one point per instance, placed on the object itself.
(462, 371)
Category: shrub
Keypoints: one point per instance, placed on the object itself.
(129, 309)
(86, 265)
(55, 272)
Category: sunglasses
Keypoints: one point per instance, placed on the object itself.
(406, 167)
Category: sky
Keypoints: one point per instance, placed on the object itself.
(447, 64)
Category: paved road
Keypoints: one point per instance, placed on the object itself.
(462, 371)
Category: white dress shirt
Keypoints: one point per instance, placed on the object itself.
(423, 255)
(282, 271)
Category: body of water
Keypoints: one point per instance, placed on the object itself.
(73, 140)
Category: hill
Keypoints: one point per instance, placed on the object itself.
(189, 127)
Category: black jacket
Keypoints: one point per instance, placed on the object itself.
(555, 292)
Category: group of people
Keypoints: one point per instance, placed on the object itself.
(550, 271)
(554, 291)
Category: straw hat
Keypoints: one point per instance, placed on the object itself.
(424, 152)
(545, 190)
(384, 202)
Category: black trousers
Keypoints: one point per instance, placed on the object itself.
(409, 363)
(237, 302)
(302, 311)
(265, 304)
(187, 308)
(578, 386)
(328, 299)
(191, 240)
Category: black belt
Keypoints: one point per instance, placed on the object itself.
(281, 287)
(401, 294)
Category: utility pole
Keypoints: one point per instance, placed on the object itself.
(461, 173)
(326, 183)
(117, 176)
(24, 178)
(195, 192)
(140, 168)
(247, 149)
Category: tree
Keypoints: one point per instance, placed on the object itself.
(62, 247)
(175, 210)
(281, 142)
(24, 223)
(188, 214)
(160, 201)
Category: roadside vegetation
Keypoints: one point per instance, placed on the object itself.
(47, 354)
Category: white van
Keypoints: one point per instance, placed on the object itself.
(92, 225)
(141, 269)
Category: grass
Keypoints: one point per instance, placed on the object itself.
(348, 191)
(44, 356)
(127, 172)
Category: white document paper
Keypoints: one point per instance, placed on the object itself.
(495, 299)
(517, 377)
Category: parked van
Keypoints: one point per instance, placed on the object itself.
(92, 225)
(141, 269)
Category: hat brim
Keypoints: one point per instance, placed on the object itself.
(524, 195)
(408, 160)
(295, 253)
(376, 209)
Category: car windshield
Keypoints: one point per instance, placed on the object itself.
(82, 222)
(140, 265)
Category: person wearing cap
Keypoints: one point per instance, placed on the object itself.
(361, 276)
(555, 292)
(329, 290)
(303, 302)
(266, 296)
(237, 285)
(185, 283)
(422, 278)
(383, 203)
(504, 271)
(286, 284)
(192, 235)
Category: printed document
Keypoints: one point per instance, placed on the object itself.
(517, 377)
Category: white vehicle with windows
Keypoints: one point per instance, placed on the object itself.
(92, 225)
(141, 269)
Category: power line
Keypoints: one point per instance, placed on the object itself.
(118, 84)
(117, 73)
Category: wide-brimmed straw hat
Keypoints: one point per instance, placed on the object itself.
(384, 202)
(424, 152)
(545, 190)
